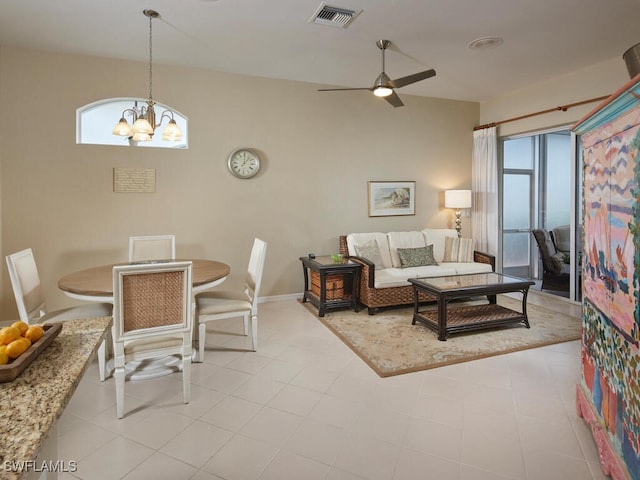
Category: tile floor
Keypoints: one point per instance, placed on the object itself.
(305, 407)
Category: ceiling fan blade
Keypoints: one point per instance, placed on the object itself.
(341, 89)
(416, 77)
(394, 100)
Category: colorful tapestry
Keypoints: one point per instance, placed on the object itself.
(610, 209)
(610, 265)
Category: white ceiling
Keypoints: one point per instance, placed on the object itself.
(273, 38)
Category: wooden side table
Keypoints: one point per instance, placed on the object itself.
(333, 285)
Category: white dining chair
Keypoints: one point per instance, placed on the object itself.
(219, 305)
(152, 247)
(152, 318)
(30, 301)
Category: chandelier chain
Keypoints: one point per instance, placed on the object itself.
(150, 57)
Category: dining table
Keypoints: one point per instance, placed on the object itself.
(95, 284)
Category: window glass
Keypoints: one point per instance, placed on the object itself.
(518, 153)
(516, 249)
(95, 122)
(558, 182)
(517, 210)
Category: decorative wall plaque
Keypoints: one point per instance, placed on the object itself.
(134, 180)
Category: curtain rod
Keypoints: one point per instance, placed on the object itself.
(562, 108)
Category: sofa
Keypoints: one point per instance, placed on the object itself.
(385, 269)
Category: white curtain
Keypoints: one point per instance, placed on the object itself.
(484, 184)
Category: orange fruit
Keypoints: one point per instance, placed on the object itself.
(20, 325)
(8, 335)
(34, 333)
(4, 358)
(17, 347)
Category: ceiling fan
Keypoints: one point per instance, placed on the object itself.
(384, 86)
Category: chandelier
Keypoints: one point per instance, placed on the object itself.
(144, 117)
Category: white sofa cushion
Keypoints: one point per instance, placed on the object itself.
(403, 240)
(397, 277)
(436, 237)
(463, 268)
(354, 239)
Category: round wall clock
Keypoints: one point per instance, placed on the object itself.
(244, 163)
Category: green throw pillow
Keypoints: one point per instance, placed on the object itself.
(416, 257)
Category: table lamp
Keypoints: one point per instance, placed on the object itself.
(457, 199)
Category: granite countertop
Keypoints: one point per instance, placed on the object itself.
(31, 404)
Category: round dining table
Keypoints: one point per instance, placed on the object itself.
(95, 284)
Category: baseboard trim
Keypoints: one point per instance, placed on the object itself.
(280, 298)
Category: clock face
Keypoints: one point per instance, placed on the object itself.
(244, 163)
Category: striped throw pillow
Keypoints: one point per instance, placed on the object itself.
(458, 249)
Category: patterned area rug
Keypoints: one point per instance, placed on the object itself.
(390, 345)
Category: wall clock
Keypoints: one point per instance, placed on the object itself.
(244, 163)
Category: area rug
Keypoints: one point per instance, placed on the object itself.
(390, 345)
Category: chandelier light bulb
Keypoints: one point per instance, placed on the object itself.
(141, 137)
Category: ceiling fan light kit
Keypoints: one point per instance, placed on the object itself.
(382, 91)
(383, 86)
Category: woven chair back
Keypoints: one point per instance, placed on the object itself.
(152, 300)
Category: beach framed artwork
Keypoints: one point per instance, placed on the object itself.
(392, 198)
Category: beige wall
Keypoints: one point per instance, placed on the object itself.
(320, 149)
(596, 81)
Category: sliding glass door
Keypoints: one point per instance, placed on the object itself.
(540, 194)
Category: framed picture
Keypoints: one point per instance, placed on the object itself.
(392, 198)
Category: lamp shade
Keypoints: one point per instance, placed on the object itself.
(142, 125)
(123, 129)
(172, 132)
(457, 198)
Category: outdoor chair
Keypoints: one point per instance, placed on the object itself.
(555, 274)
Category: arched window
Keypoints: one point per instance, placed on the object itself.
(95, 123)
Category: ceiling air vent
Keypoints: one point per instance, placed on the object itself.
(334, 16)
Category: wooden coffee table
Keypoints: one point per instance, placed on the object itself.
(445, 321)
